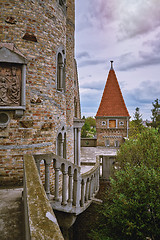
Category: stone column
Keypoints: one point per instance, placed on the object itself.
(87, 191)
(56, 194)
(116, 123)
(61, 148)
(79, 147)
(76, 190)
(64, 188)
(82, 192)
(90, 188)
(23, 93)
(75, 146)
(70, 188)
(47, 179)
(107, 123)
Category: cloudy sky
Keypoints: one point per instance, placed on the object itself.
(128, 32)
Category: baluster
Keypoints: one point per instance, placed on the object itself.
(90, 187)
(76, 189)
(82, 192)
(94, 183)
(56, 194)
(87, 190)
(70, 188)
(47, 179)
(64, 188)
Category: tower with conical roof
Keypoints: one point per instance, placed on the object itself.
(112, 116)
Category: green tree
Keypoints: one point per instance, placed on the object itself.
(131, 210)
(144, 149)
(89, 128)
(85, 129)
(156, 114)
(136, 126)
(132, 203)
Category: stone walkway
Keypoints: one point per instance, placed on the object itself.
(11, 214)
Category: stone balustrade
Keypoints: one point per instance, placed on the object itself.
(40, 221)
(75, 191)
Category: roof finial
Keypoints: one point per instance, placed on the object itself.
(111, 65)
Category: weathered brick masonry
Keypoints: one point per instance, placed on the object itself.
(37, 29)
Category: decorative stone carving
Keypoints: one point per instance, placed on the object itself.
(12, 79)
(10, 85)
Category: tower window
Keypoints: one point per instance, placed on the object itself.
(61, 71)
(112, 123)
(62, 2)
(121, 123)
(103, 123)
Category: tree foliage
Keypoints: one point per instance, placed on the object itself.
(156, 114)
(131, 210)
(145, 149)
(89, 128)
(136, 126)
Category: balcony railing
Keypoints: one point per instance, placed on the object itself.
(73, 191)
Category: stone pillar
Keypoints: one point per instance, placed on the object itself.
(116, 123)
(82, 192)
(56, 194)
(79, 147)
(75, 146)
(61, 148)
(70, 188)
(90, 188)
(107, 162)
(23, 93)
(76, 190)
(87, 191)
(107, 123)
(64, 188)
(47, 179)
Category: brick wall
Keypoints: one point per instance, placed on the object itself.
(105, 133)
(38, 30)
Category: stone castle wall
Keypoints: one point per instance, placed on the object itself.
(37, 30)
(114, 135)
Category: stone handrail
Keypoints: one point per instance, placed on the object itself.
(40, 221)
(77, 190)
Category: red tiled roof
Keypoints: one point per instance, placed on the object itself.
(112, 102)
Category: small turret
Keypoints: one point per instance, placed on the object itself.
(111, 65)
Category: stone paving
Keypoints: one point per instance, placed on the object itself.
(88, 154)
(11, 214)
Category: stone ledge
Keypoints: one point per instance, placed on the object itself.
(40, 221)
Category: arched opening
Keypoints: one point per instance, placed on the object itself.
(64, 147)
(59, 145)
(62, 143)
(61, 71)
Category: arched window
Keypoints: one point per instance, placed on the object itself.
(61, 143)
(62, 2)
(61, 71)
